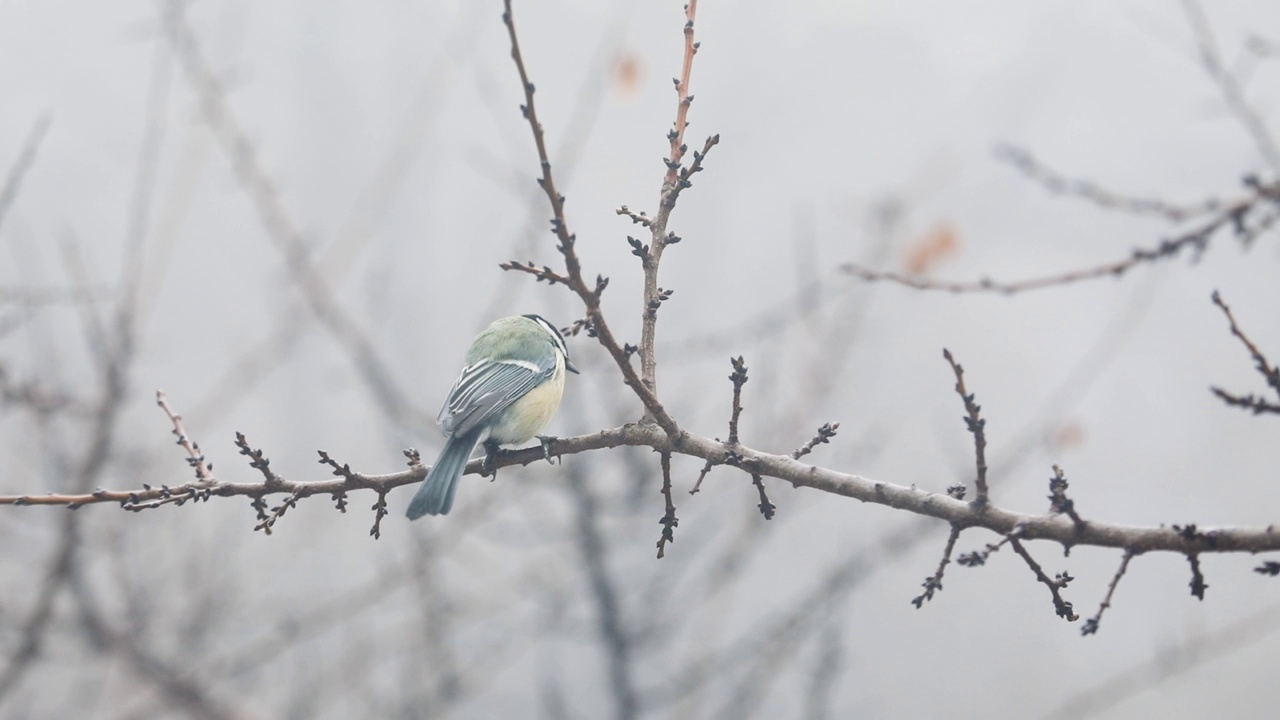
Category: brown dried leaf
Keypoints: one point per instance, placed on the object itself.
(930, 250)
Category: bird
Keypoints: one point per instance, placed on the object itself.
(507, 392)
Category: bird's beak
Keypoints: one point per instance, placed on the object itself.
(569, 366)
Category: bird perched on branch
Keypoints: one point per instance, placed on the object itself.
(507, 392)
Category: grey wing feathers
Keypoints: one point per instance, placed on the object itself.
(487, 388)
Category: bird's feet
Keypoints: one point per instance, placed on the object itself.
(491, 451)
(546, 440)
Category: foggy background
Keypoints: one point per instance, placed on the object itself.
(851, 132)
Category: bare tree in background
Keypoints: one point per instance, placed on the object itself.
(184, 635)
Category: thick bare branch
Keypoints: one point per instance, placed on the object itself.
(911, 499)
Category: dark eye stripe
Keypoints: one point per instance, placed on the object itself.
(553, 331)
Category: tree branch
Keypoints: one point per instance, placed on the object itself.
(911, 499)
(573, 267)
(1246, 218)
(1269, 372)
(976, 426)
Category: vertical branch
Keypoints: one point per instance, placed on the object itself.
(738, 378)
(590, 296)
(36, 624)
(976, 425)
(685, 99)
(669, 520)
(766, 507)
(143, 189)
(933, 583)
(1198, 585)
(1232, 92)
(607, 593)
(672, 183)
(13, 181)
(113, 366)
(546, 181)
(675, 180)
(1058, 500)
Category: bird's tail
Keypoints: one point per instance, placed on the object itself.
(435, 497)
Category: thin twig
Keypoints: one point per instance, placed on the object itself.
(739, 378)
(26, 158)
(1060, 606)
(278, 512)
(257, 460)
(1059, 184)
(824, 435)
(684, 98)
(204, 472)
(975, 425)
(543, 273)
(1253, 403)
(933, 583)
(1232, 92)
(1246, 218)
(706, 470)
(669, 520)
(766, 508)
(1091, 625)
(1269, 372)
(1058, 500)
(1198, 585)
(379, 509)
(978, 558)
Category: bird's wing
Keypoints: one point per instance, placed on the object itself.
(487, 388)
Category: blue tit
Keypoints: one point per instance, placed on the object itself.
(508, 390)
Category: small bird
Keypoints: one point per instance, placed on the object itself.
(506, 393)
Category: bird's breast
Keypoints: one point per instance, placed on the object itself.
(527, 416)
